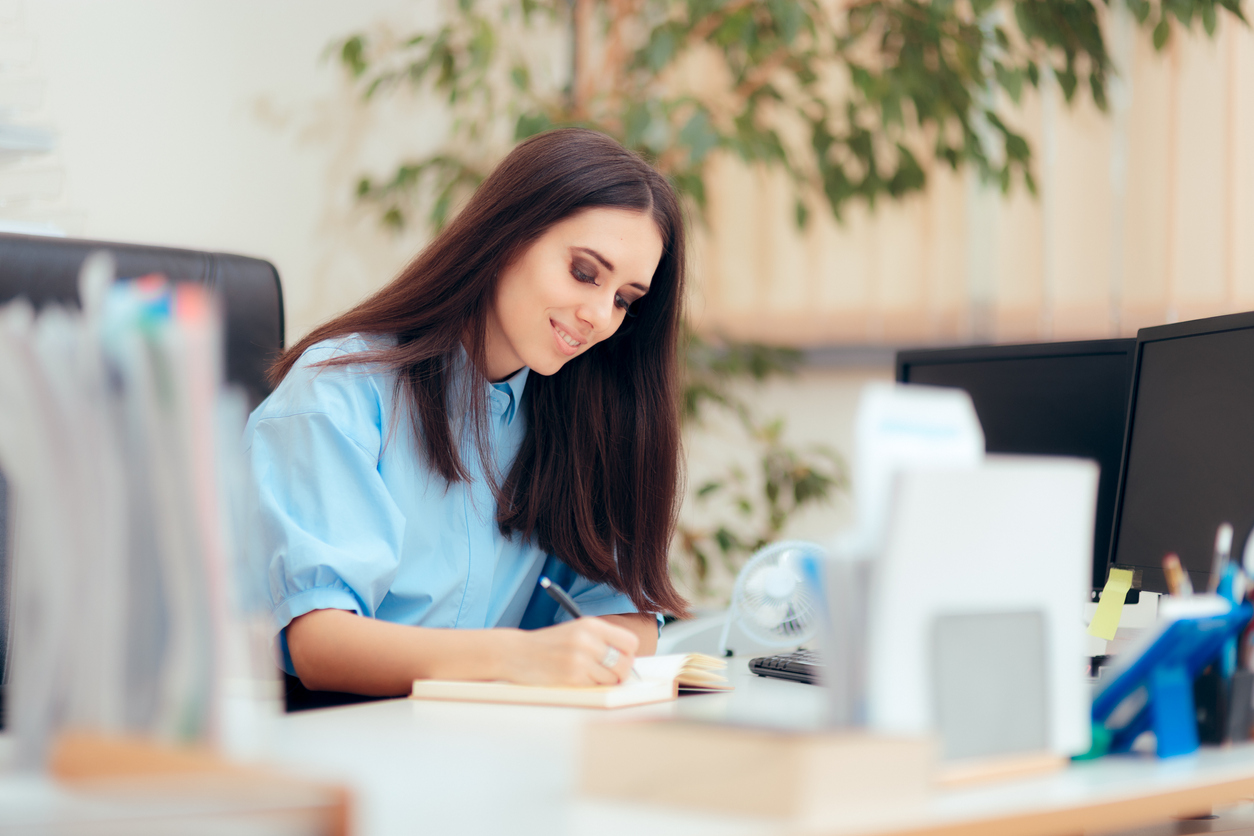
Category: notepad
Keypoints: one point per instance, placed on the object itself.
(661, 679)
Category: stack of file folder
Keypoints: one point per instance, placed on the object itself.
(133, 612)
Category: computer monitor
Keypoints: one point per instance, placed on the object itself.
(1189, 461)
(1055, 399)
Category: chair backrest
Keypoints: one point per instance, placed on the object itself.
(45, 270)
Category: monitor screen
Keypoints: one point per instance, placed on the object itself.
(1189, 463)
(1057, 399)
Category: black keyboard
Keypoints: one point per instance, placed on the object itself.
(800, 665)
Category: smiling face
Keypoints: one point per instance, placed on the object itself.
(570, 289)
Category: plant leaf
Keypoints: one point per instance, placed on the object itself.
(1161, 33)
(530, 124)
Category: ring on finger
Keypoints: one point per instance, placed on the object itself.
(611, 657)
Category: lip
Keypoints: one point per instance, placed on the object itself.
(563, 346)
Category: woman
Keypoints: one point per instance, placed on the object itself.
(506, 408)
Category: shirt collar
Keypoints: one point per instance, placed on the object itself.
(503, 397)
(508, 393)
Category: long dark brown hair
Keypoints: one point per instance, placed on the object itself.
(596, 480)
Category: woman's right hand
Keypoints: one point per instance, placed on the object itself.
(571, 654)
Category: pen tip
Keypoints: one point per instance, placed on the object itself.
(1223, 540)
(545, 582)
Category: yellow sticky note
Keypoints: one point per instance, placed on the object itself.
(1110, 608)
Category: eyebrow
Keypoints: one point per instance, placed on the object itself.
(604, 261)
(597, 256)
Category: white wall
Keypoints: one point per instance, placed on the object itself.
(217, 125)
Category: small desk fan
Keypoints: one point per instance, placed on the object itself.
(771, 603)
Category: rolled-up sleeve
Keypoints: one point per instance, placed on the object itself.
(328, 529)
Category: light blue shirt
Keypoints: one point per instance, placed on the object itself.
(352, 516)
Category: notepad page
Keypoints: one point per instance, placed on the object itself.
(690, 670)
(665, 668)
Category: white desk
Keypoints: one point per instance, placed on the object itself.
(496, 769)
(492, 769)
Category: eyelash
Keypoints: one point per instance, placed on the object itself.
(586, 278)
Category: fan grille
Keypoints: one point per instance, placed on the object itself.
(774, 606)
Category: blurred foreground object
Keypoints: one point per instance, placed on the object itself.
(108, 785)
(132, 612)
(806, 776)
(974, 619)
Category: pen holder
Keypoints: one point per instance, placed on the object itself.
(1240, 694)
(1156, 688)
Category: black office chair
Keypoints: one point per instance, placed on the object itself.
(45, 270)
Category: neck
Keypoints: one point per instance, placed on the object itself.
(504, 378)
(496, 369)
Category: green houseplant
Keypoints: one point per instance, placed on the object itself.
(855, 103)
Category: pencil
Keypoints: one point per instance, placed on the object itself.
(1178, 583)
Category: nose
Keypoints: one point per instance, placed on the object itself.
(599, 311)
